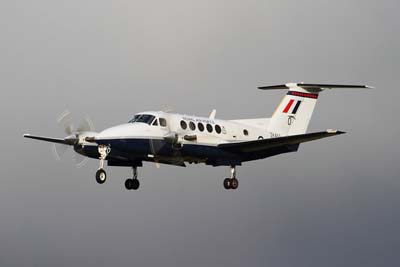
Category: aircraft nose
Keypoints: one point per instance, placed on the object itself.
(114, 132)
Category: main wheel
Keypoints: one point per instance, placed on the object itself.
(227, 183)
(101, 176)
(128, 184)
(135, 184)
(234, 183)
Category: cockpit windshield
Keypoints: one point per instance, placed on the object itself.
(145, 118)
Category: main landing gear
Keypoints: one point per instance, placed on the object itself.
(231, 183)
(132, 183)
(101, 175)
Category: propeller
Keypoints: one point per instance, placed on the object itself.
(74, 136)
(170, 137)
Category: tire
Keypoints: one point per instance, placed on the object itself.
(234, 183)
(101, 176)
(135, 184)
(128, 184)
(227, 183)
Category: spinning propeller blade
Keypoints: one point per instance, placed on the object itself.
(66, 122)
(59, 150)
(86, 125)
(80, 160)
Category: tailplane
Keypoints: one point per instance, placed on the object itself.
(293, 114)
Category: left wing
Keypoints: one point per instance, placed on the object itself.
(47, 139)
(264, 144)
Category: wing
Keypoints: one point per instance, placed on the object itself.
(264, 144)
(47, 139)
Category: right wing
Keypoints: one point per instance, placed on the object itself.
(265, 144)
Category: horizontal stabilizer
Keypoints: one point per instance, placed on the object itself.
(264, 144)
(312, 87)
(46, 139)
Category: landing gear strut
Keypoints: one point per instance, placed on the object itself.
(101, 175)
(132, 183)
(232, 182)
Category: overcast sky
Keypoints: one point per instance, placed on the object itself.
(333, 203)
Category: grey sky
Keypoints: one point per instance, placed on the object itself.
(334, 203)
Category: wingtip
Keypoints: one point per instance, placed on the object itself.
(337, 132)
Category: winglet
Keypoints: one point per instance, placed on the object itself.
(212, 114)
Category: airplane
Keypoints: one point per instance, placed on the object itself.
(175, 139)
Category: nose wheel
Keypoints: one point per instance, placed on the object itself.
(101, 176)
(232, 182)
(132, 183)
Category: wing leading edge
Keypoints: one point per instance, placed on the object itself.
(264, 144)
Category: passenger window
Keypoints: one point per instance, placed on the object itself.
(218, 129)
(155, 122)
(183, 125)
(245, 132)
(192, 126)
(200, 126)
(209, 128)
(163, 122)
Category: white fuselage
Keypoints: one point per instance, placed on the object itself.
(207, 131)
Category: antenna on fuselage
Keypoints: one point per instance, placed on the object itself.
(212, 114)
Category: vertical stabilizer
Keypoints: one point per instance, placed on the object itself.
(294, 113)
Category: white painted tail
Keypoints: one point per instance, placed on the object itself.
(294, 113)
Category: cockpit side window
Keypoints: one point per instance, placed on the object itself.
(155, 122)
(163, 122)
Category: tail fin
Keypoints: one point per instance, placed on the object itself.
(293, 114)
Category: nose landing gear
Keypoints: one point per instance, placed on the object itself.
(232, 182)
(101, 175)
(133, 183)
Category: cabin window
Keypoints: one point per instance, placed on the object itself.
(183, 125)
(200, 126)
(218, 129)
(209, 128)
(192, 126)
(163, 122)
(245, 132)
